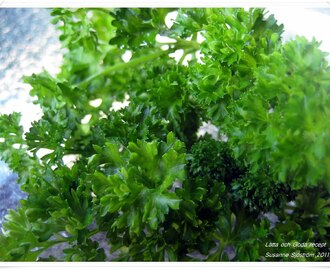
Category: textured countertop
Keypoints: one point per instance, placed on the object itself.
(28, 42)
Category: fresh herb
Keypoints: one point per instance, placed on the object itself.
(140, 175)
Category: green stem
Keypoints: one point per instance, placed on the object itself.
(187, 44)
(93, 232)
(182, 58)
(121, 66)
(182, 44)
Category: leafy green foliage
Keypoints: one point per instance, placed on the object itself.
(312, 212)
(88, 251)
(85, 34)
(302, 130)
(139, 173)
(136, 28)
(259, 193)
(24, 240)
(234, 46)
(213, 160)
(290, 232)
(141, 187)
(13, 146)
(124, 126)
(238, 230)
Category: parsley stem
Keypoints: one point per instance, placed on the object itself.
(179, 44)
(183, 44)
(120, 66)
(187, 44)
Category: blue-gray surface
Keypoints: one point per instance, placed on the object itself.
(10, 193)
(26, 39)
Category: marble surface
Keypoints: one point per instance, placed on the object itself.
(28, 43)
